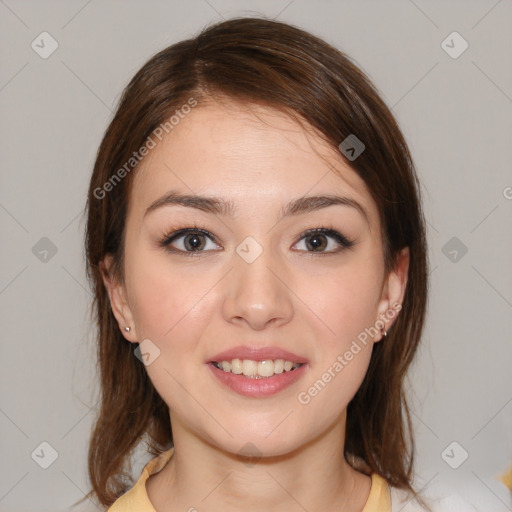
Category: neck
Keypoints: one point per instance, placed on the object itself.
(314, 477)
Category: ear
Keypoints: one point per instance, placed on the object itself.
(393, 290)
(118, 301)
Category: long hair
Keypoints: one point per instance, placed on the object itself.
(277, 65)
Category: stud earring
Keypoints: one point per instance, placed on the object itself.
(383, 332)
(127, 328)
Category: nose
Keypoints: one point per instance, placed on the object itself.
(257, 294)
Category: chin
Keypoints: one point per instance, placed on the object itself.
(256, 441)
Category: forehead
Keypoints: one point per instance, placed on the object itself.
(249, 153)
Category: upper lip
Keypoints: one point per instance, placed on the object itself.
(257, 354)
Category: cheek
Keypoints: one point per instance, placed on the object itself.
(346, 307)
(164, 303)
(173, 310)
(346, 302)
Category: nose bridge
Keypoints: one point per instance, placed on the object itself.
(254, 292)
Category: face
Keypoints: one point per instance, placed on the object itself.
(250, 274)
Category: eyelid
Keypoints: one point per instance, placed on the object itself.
(341, 239)
(165, 243)
(185, 231)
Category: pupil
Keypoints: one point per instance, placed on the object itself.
(317, 241)
(193, 242)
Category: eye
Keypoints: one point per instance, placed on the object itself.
(323, 240)
(190, 240)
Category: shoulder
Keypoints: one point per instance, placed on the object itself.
(445, 498)
(136, 499)
(402, 501)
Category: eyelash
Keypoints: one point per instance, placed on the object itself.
(343, 241)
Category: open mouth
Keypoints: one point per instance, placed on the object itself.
(256, 369)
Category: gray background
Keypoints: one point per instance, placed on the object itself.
(456, 115)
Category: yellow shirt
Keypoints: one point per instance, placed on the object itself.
(136, 499)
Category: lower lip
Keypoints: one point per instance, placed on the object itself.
(255, 388)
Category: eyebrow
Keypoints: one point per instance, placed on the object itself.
(219, 206)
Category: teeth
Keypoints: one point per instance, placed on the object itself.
(249, 368)
(279, 366)
(265, 368)
(257, 369)
(236, 366)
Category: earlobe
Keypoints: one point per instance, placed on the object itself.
(393, 292)
(118, 301)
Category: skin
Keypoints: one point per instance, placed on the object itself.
(192, 307)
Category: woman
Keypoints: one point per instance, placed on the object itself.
(256, 245)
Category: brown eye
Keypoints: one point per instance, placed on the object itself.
(323, 240)
(189, 241)
(194, 242)
(316, 241)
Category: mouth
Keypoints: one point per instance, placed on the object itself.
(253, 369)
(257, 372)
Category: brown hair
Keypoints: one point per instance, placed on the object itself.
(278, 65)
